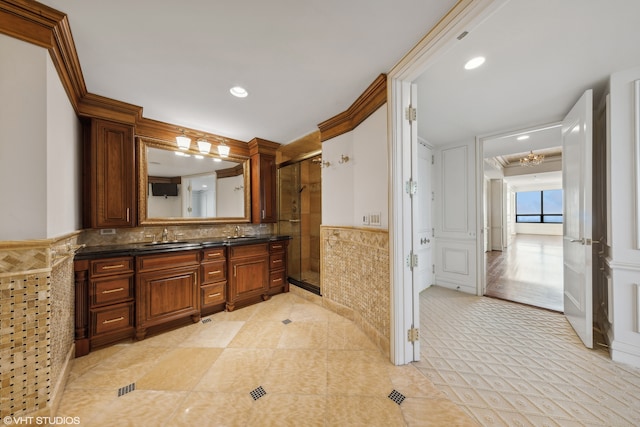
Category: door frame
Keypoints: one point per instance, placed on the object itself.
(464, 16)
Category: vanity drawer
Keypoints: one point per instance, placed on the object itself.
(112, 318)
(111, 290)
(276, 260)
(214, 271)
(276, 279)
(169, 260)
(248, 250)
(110, 266)
(213, 254)
(213, 294)
(276, 246)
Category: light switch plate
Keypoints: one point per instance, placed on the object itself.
(365, 219)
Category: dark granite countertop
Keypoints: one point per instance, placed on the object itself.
(146, 248)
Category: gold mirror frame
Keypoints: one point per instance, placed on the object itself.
(143, 187)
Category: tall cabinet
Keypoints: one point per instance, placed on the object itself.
(263, 181)
(109, 175)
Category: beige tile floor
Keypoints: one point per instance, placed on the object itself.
(318, 370)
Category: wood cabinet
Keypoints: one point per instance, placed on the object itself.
(104, 302)
(248, 275)
(109, 175)
(263, 181)
(213, 283)
(278, 267)
(167, 289)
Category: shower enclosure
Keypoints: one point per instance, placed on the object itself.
(299, 184)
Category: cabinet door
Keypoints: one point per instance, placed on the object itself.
(167, 294)
(249, 277)
(112, 171)
(263, 170)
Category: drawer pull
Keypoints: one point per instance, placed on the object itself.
(215, 272)
(217, 294)
(215, 254)
(279, 279)
(111, 267)
(117, 319)
(235, 270)
(110, 291)
(276, 261)
(276, 247)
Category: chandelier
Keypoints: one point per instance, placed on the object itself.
(531, 159)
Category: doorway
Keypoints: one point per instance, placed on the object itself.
(300, 215)
(522, 206)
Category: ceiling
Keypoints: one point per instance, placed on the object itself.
(540, 57)
(302, 62)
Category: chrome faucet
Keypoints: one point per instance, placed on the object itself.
(236, 233)
(165, 235)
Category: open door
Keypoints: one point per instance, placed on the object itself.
(577, 211)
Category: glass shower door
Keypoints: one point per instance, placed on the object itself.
(289, 216)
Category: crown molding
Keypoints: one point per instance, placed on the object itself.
(374, 97)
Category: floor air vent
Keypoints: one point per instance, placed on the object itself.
(286, 321)
(257, 393)
(396, 396)
(126, 389)
(206, 320)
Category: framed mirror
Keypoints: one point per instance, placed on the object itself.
(187, 187)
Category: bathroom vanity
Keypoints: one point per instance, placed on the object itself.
(125, 291)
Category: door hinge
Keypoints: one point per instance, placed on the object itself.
(411, 187)
(433, 268)
(411, 114)
(413, 334)
(433, 196)
(433, 232)
(433, 159)
(412, 260)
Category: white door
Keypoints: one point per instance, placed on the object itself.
(576, 178)
(422, 226)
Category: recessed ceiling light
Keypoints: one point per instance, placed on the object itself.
(239, 92)
(522, 137)
(474, 63)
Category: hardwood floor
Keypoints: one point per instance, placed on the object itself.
(529, 271)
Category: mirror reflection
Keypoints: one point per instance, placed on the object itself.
(184, 185)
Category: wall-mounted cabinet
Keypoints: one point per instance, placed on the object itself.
(263, 181)
(109, 175)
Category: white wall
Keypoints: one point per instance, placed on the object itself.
(624, 262)
(40, 139)
(359, 186)
(64, 132)
(23, 147)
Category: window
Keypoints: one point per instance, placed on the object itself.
(539, 206)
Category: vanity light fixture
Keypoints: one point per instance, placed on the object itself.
(239, 92)
(183, 141)
(474, 63)
(223, 149)
(204, 146)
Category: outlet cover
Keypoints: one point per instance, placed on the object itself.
(374, 218)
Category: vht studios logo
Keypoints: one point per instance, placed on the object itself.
(50, 421)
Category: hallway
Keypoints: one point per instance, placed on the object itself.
(508, 364)
(529, 271)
